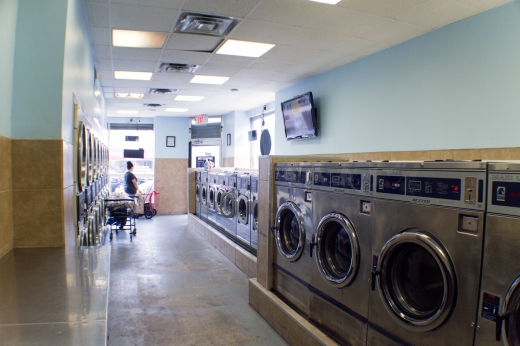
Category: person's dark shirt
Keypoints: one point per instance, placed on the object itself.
(129, 185)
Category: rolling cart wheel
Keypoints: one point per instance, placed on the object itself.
(148, 214)
(154, 212)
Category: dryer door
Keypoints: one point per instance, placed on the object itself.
(417, 280)
(204, 195)
(337, 250)
(289, 231)
(218, 200)
(212, 197)
(197, 192)
(243, 209)
(227, 205)
(511, 317)
(255, 215)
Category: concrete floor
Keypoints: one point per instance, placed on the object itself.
(169, 286)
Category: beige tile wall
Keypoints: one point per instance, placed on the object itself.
(6, 196)
(172, 185)
(228, 162)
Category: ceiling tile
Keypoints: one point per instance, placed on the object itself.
(394, 32)
(436, 13)
(97, 14)
(230, 8)
(124, 83)
(106, 82)
(351, 46)
(100, 36)
(170, 78)
(196, 86)
(106, 74)
(388, 8)
(104, 64)
(143, 54)
(238, 83)
(142, 18)
(230, 60)
(184, 57)
(484, 4)
(272, 65)
(193, 42)
(130, 90)
(267, 75)
(289, 12)
(135, 65)
(164, 84)
(257, 31)
(315, 39)
(102, 52)
(176, 4)
(108, 89)
(301, 54)
(303, 69)
(346, 22)
(211, 70)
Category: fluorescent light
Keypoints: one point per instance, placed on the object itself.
(129, 96)
(244, 48)
(200, 79)
(330, 2)
(188, 98)
(122, 111)
(177, 110)
(138, 39)
(133, 75)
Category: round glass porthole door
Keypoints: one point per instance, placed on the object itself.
(197, 192)
(227, 205)
(255, 216)
(289, 231)
(204, 195)
(511, 326)
(243, 210)
(218, 200)
(418, 283)
(82, 157)
(337, 250)
(212, 198)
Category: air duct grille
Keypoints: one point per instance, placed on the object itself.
(205, 24)
(163, 91)
(139, 127)
(170, 67)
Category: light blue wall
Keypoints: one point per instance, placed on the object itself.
(455, 87)
(242, 148)
(78, 73)
(171, 126)
(8, 11)
(228, 126)
(38, 69)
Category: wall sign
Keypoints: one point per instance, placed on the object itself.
(170, 141)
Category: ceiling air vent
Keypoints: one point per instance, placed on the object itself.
(163, 91)
(170, 67)
(205, 24)
(152, 106)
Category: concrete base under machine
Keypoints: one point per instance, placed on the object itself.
(295, 329)
(240, 257)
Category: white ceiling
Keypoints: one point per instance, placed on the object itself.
(310, 38)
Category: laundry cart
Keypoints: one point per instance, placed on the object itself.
(121, 215)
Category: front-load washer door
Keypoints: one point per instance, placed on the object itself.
(204, 195)
(337, 250)
(227, 205)
(255, 215)
(289, 231)
(197, 192)
(417, 281)
(212, 198)
(243, 209)
(508, 327)
(218, 200)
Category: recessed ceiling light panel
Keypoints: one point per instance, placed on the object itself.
(188, 98)
(133, 75)
(244, 48)
(205, 24)
(138, 39)
(129, 95)
(177, 110)
(330, 2)
(201, 79)
(122, 111)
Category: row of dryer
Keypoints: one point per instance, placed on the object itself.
(228, 201)
(401, 253)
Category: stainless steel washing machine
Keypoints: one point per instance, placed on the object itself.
(242, 209)
(499, 310)
(427, 248)
(212, 198)
(253, 212)
(342, 238)
(198, 191)
(292, 234)
(204, 194)
(228, 205)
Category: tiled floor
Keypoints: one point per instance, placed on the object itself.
(169, 286)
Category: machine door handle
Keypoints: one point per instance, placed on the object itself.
(498, 325)
(312, 244)
(375, 273)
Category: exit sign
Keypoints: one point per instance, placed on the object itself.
(201, 119)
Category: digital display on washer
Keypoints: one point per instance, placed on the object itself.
(345, 181)
(290, 176)
(443, 188)
(506, 194)
(391, 184)
(322, 178)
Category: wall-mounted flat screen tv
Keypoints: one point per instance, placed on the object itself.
(299, 117)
